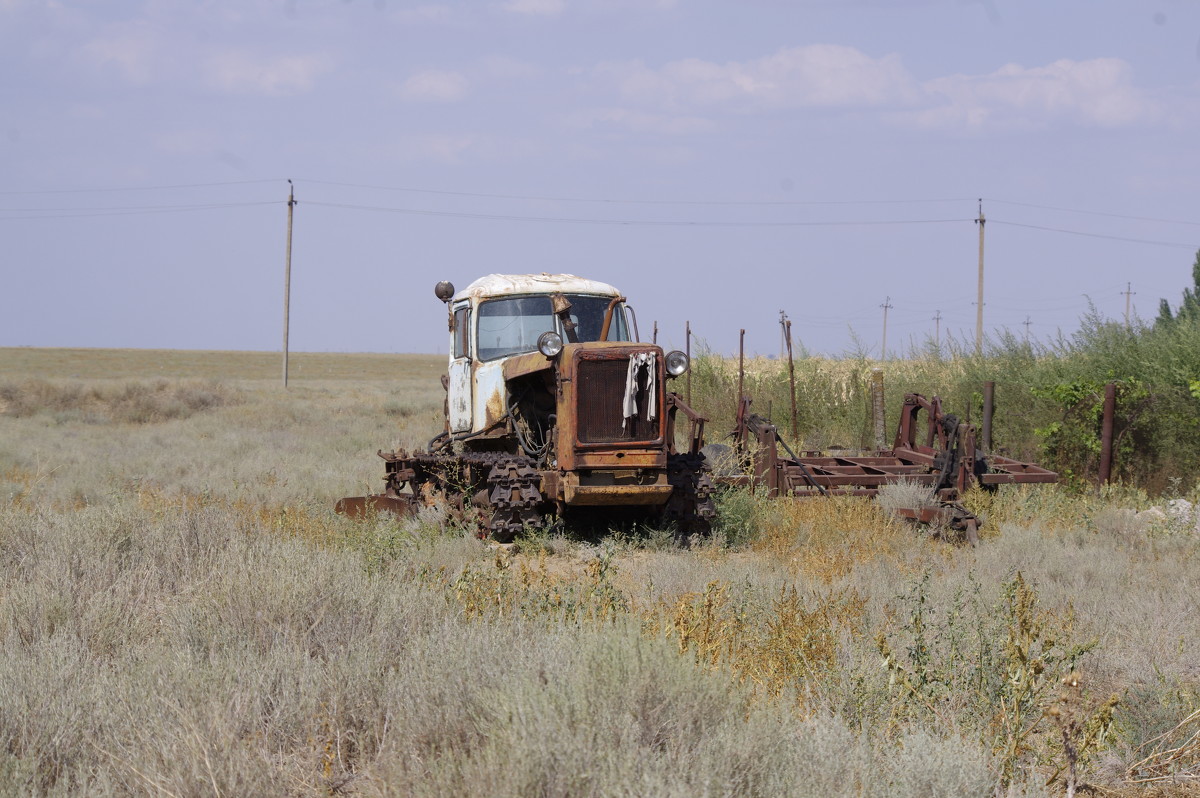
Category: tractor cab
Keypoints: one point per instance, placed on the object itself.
(498, 317)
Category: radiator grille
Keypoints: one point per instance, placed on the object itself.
(601, 390)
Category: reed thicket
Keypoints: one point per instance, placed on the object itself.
(1048, 396)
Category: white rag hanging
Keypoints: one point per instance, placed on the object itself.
(637, 362)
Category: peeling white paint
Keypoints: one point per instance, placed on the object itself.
(494, 285)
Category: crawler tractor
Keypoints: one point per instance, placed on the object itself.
(554, 409)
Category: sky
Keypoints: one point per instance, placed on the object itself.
(718, 162)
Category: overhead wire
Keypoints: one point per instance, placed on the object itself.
(71, 213)
(624, 222)
(140, 188)
(1090, 213)
(628, 201)
(83, 212)
(1152, 242)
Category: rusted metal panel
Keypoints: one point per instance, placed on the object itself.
(522, 365)
(575, 493)
(458, 395)
(365, 506)
(581, 397)
(651, 457)
(490, 395)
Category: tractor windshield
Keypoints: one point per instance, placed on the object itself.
(511, 325)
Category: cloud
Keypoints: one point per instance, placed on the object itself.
(422, 14)
(545, 8)
(185, 142)
(639, 121)
(449, 148)
(500, 67)
(243, 73)
(434, 85)
(818, 75)
(130, 48)
(1098, 92)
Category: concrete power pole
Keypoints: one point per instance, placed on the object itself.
(981, 221)
(287, 281)
(937, 329)
(1128, 292)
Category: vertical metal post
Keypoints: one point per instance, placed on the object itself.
(687, 350)
(783, 322)
(1106, 432)
(887, 304)
(741, 368)
(989, 406)
(654, 340)
(287, 281)
(792, 382)
(981, 221)
(877, 407)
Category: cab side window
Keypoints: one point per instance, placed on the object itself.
(462, 332)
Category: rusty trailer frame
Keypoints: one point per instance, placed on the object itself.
(943, 456)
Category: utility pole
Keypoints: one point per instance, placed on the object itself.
(981, 221)
(1128, 292)
(1027, 322)
(287, 280)
(937, 329)
(887, 305)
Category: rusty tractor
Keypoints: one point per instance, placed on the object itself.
(553, 409)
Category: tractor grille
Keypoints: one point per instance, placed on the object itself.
(601, 389)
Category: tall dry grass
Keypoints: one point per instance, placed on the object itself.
(181, 612)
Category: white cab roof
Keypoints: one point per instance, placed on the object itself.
(494, 285)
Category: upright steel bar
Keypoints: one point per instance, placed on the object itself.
(287, 281)
(981, 221)
(1106, 432)
(741, 370)
(989, 406)
(687, 350)
(654, 340)
(792, 381)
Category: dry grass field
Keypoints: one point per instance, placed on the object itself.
(181, 613)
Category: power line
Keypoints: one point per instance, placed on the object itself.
(143, 212)
(1095, 213)
(626, 222)
(191, 206)
(1098, 235)
(139, 188)
(623, 201)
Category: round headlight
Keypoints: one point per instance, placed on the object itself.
(550, 343)
(677, 363)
